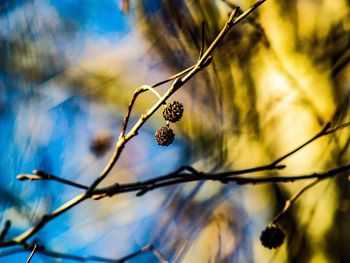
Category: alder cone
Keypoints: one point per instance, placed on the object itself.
(173, 111)
(272, 237)
(164, 136)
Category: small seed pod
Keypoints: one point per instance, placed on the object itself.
(173, 111)
(272, 237)
(164, 136)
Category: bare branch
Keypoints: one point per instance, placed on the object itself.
(144, 249)
(184, 174)
(337, 128)
(203, 41)
(294, 198)
(43, 221)
(323, 132)
(180, 178)
(143, 89)
(5, 230)
(179, 80)
(178, 83)
(128, 112)
(41, 175)
(187, 174)
(32, 253)
(177, 75)
(38, 249)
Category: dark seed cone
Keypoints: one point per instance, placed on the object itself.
(272, 237)
(101, 144)
(164, 136)
(173, 111)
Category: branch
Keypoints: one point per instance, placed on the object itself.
(32, 253)
(138, 91)
(178, 82)
(294, 198)
(187, 174)
(180, 178)
(203, 41)
(5, 230)
(151, 248)
(41, 175)
(177, 75)
(275, 165)
(325, 131)
(20, 239)
(54, 254)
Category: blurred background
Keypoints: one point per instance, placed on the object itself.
(67, 72)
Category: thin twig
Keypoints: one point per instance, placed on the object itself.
(128, 112)
(158, 254)
(41, 175)
(323, 132)
(177, 75)
(152, 90)
(138, 91)
(5, 230)
(294, 198)
(32, 253)
(144, 249)
(43, 221)
(203, 41)
(334, 129)
(143, 89)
